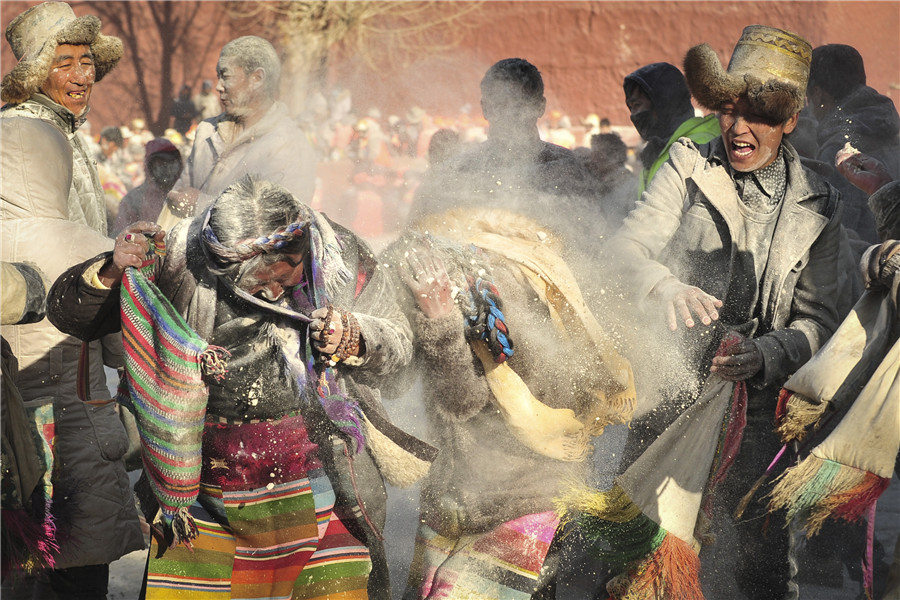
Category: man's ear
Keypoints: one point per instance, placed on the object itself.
(257, 77)
(791, 124)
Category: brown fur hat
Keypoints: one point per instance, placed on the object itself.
(34, 36)
(769, 65)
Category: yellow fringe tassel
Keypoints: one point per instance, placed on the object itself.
(614, 505)
(801, 415)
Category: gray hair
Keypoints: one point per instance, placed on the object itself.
(252, 207)
(251, 53)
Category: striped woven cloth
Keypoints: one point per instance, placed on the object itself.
(266, 522)
(166, 393)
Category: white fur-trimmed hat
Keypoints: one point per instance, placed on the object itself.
(34, 36)
(769, 65)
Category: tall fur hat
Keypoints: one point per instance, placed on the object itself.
(34, 36)
(769, 65)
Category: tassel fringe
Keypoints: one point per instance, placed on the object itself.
(656, 565)
(670, 573)
(29, 544)
(817, 489)
(213, 362)
(184, 529)
(797, 416)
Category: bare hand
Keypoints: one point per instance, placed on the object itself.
(326, 336)
(426, 276)
(684, 301)
(739, 362)
(864, 171)
(130, 250)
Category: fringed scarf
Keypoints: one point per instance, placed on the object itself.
(843, 476)
(163, 386)
(647, 525)
(328, 275)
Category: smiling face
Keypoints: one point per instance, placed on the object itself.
(751, 140)
(71, 77)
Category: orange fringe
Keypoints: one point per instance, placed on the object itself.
(672, 572)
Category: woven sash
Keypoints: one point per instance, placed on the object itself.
(166, 393)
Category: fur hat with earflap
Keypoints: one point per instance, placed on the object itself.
(769, 65)
(34, 36)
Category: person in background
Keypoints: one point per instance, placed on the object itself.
(206, 102)
(162, 167)
(111, 167)
(53, 214)
(183, 111)
(514, 169)
(136, 138)
(661, 111)
(847, 111)
(617, 184)
(253, 134)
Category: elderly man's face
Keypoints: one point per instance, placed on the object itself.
(236, 87)
(751, 140)
(71, 77)
(269, 281)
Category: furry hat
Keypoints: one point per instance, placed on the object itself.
(34, 36)
(769, 65)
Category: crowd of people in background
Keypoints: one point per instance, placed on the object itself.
(721, 276)
(370, 164)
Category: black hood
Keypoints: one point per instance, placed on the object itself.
(667, 89)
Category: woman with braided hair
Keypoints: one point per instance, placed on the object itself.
(516, 379)
(285, 499)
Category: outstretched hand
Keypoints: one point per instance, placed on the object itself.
(130, 250)
(426, 276)
(684, 302)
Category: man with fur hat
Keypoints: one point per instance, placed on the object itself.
(53, 214)
(736, 236)
(61, 57)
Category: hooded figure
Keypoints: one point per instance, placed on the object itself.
(661, 111)
(847, 111)
(162, 168)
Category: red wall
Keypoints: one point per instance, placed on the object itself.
(584, 49)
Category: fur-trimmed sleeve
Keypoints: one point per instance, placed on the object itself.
(454, 385)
